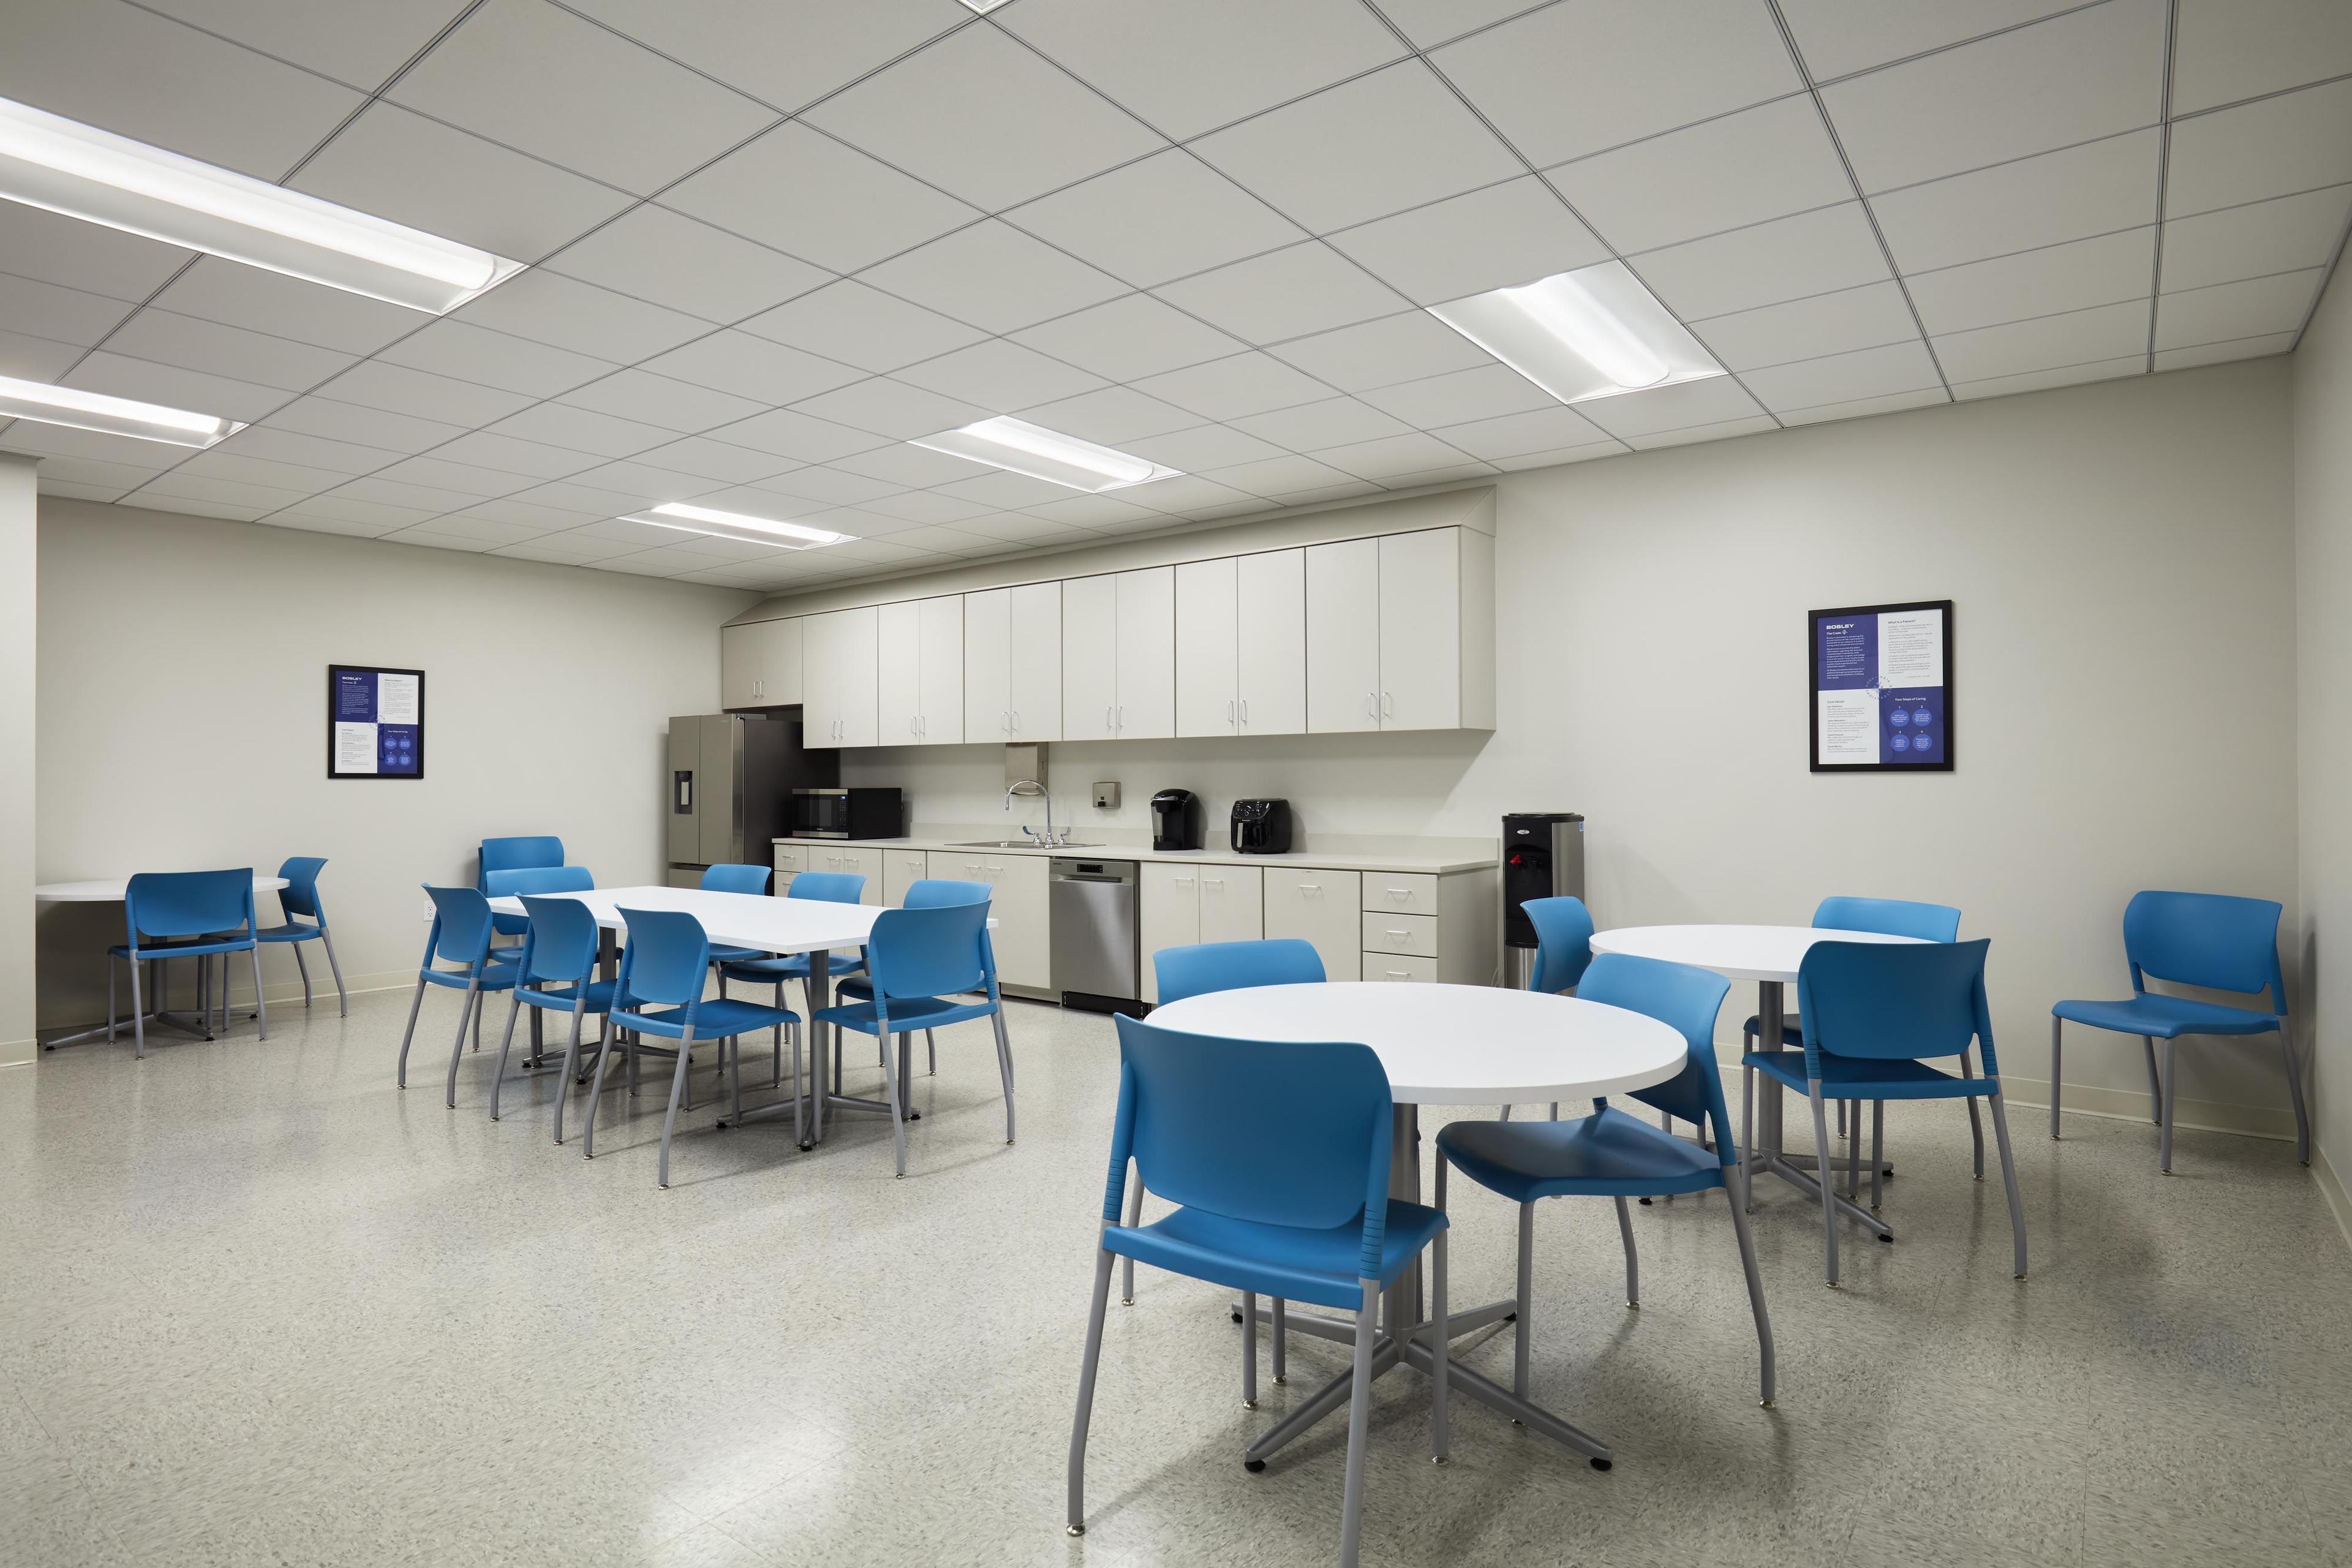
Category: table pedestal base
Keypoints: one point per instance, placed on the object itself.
(1803, 1172)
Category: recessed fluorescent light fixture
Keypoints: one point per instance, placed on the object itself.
(1594, 332)
(982, 6)
(111, 416)
(738, 525)
(68, 168)
(1043, 454)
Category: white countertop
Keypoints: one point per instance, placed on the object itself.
(1349, 860)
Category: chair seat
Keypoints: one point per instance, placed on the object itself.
(190, 948)
(1318, 1266)
(1868, 1078)
(600, 996)
(1792, 1028)
(495, 977)
(733, 955)
(1608, 1154)
(715, 1018)
(289, 933)
(906, 1013)
(2167, 1018)
(760, 971)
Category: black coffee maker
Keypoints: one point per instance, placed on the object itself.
(1175, 820)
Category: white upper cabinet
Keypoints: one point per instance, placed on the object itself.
(738, 665)
(1208, 647)
(1272, 654)
(1343, 637)
(1421, 631)
(1400, 632)
(1036, 684)
(988, 665)
(899, 684)
(920, 672)
(1147, 654)
(1090, 658)
(841, 694)
(759, 665)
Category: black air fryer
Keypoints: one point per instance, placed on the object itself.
(1261, 827)
(1175, 820)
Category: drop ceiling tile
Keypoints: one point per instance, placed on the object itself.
(1445, 474)
(1187, 66)
(618, 530)
(751, 367)
(1282, 476)
(1762, 163)
(465, 479)
(892, 408)
(1391, 454)
(49, 484)
(1286, 294)
(383, 416)
(549, 308)
(1429, 23)
(2202, 354)
(2047, 342)
(786, 55)
(1787, 259)
(788, 433)
(216, 464)
(2252, 307)
(1022, 527)
(1110, 415)
(1841, 37)
(1460, 397)
(1692, 434)
(1161, 217)
(1310, 426)
(907, 466)
(673, 260)
(532, 514)
(1504, 235)
(660, 401)
(352, 511)
(536, 77)
(58, 441)
(61, 314)
(55, 248)
(394, 164)
(284, 307)
(302, 518)
(1567, 80)
(564, 549)
(1237, 385)
(2059, 197)
(2040, 380)
(999, 376)
(428, 538)
(96, 472)
(2228, 50)
(466, 352)
(2254, 241)
(1394, 138)
(996, 278)
(358, 42)
(508, 455)
(208, 346)
(1846, 377)
(432, 499)
(2102, 271)
(151, 381)
(2298, 142)
(860, 325)
(1204, 448)
(488, 532)
(582, 430)
(984, 118)
(2089, 74)
(1004, 489)
(807, 195)
(656, 484)
(1402, 347)
(926, 506)
(189, 505)
(309, 451)
(716, 460)
(137, 74)
(1128, 339)
(1516, 434)
(29, 358)
(1187, 495)
(1862, 407)
(1717, 400)
(1850, 319)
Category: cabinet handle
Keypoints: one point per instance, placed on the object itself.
(1388, 705)
(1108, 723)
(1244, 710)
(1401, 892)
(1397, 974)
(1183, 882)
(1310, 887)
(1393, 932)
(1123, 715)
(1215, 881)
(1371, 704)
(1229, 711)
(1016, 721)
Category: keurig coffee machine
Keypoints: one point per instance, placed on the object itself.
(1543, 856)
(1175, 820)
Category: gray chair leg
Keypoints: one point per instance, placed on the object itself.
(478, 1028)
(1506, 1116)
(1525, 1303)
(1440, 1354)
(2056, 1025)
(2009, 1180)
(1878, 1152)
(734, 1049)
(1092, 1359)
(1134, 1218)
(931, 1045)
(1282, 1338)
(776, 1064)
(2295, 1092)
(1746, 1196)
(676, 1092)
(571, 1066)
(417, 1002)
(470, 1009)
(139, 1019)
(1633, 1262)
(1005, 1068)
(1828, 1187)
(597, 1085)
(303, 969)
(1976, 1126)
(1755, 1297)
(1359, 1409)
(897, 1111)
(506, 1041)
(342, 1000)
(2171, 1095)
(1249, 1349)
(1851, 1123)
(2154, 1087)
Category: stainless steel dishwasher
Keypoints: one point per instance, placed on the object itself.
(1093, 907)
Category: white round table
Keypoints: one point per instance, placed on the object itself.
(113, 890)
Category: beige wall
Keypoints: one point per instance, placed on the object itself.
(19, 541)
(182, 714)
(2122, 559)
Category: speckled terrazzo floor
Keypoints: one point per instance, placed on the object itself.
(257, 1308)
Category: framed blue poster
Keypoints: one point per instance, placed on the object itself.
(375, 722)
(1882, 689)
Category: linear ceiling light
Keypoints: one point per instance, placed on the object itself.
(86, 173)
(738, 525)
(1594, 332)
(1043, 454)
(112, 416)
(982, 6)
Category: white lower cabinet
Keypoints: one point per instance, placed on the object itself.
(1322, 908)
(866, 863)
(1233, 903)
(1018, 902)
(1168, 915)
(901, 869)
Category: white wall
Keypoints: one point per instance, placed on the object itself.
(19, 541)
(2122, 559)
(182, 719)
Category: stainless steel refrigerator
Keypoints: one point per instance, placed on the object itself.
(732, 776)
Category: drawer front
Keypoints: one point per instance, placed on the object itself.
(792, 858)
(1408, 934)
(1391, 967)
(1401, 892)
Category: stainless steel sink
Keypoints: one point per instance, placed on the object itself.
(1021, 844)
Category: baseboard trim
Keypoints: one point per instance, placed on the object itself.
(19, 1053)
(322, 990)
(2331, 1187)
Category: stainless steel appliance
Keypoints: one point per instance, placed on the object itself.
(728, 776)
(1261, 827)
(1543, 857)
(1175, 820)
(873, 811)
(1092, 905)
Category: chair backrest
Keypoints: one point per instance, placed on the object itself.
(513, 854)
(829, 887)
(1230, 966)
(562, 944)
(2212, 940)
(736, 878)
(933, 952)
(1893, 1001)
(1889, 916)
(938, 893)
(299, 896)
(1686, 1000)
(1277, 1133)
(187, 904)
(521, 879)
(461, 925)
(1563, 941)
(667, 960)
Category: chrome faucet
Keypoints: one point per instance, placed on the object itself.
(1033, 790)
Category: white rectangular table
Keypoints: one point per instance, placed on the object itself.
(113, 890)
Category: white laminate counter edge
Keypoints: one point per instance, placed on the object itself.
(1427, 865)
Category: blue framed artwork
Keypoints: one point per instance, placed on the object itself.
(375, 722)
(1882, 689)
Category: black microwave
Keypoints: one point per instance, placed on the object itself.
(869, 813)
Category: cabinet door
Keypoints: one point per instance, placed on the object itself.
(1090, 659)
(1147, 654)
(739, 665)
(790, 861)
(1233, 903)
(988, 665)
(860, 673)
(1168, 915)
(899, 673)
(902, 868)
(1207, 644)
(820, 640)
(1318, 907)
(939, 711)
(1036, 683)
(1343, 637)
(779, 663)
(1421, 630)
(1271, 658)
(1019, 904)
(866, 863)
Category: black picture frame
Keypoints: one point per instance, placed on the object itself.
(334, 673)
(1943, 764)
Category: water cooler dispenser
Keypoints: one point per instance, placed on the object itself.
(1543, 856)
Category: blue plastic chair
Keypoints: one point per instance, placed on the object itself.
(736, 878)
(461, 935)
(664, 965)
(1563, 951)
(299, 897)
(184, 914)
(1209, 967)
(2208, 940)
(1875, 1014)
(827, 886)
(557, 970)
(513, 855)
(918, 961)
(926, 893)
(1276, 1156)
(1612, 1154)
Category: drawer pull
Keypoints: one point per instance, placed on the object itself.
(1397, 974)
(1310, 887)
(1393, 932)
(1402, 892)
